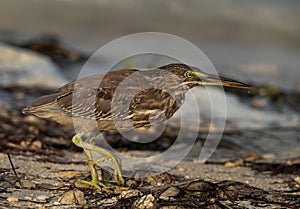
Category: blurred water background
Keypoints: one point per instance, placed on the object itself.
(253, 41)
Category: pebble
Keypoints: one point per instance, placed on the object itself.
(73, 197)
(41, 197)
(27, 198)
(145, 202)
(230, 164)
(70, 174)
(269, 156)
(130, 193)
(12, 199)
(28, 184)
(109, 201)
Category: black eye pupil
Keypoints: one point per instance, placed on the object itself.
(188, 74)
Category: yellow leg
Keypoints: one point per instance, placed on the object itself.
(91, 163)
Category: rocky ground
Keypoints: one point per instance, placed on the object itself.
(40, 166)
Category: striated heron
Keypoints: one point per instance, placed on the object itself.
(153, 96)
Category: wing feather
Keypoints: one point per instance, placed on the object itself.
(90, 97)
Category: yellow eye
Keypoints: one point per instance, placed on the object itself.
(188, 74)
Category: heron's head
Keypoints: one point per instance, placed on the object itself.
(192, 76)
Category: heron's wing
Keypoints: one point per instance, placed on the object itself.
(91, 97)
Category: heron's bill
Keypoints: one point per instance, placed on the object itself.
(212, 80)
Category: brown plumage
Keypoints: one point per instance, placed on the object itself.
(148, 96)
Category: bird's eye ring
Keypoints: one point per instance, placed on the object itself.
(188, 74)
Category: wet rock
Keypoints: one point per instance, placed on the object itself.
(197, 185)
(73, 197)
(169, 193)
(145, 202)
(27, 68)
(54, 48)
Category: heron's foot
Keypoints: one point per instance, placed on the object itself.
(117, 176)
